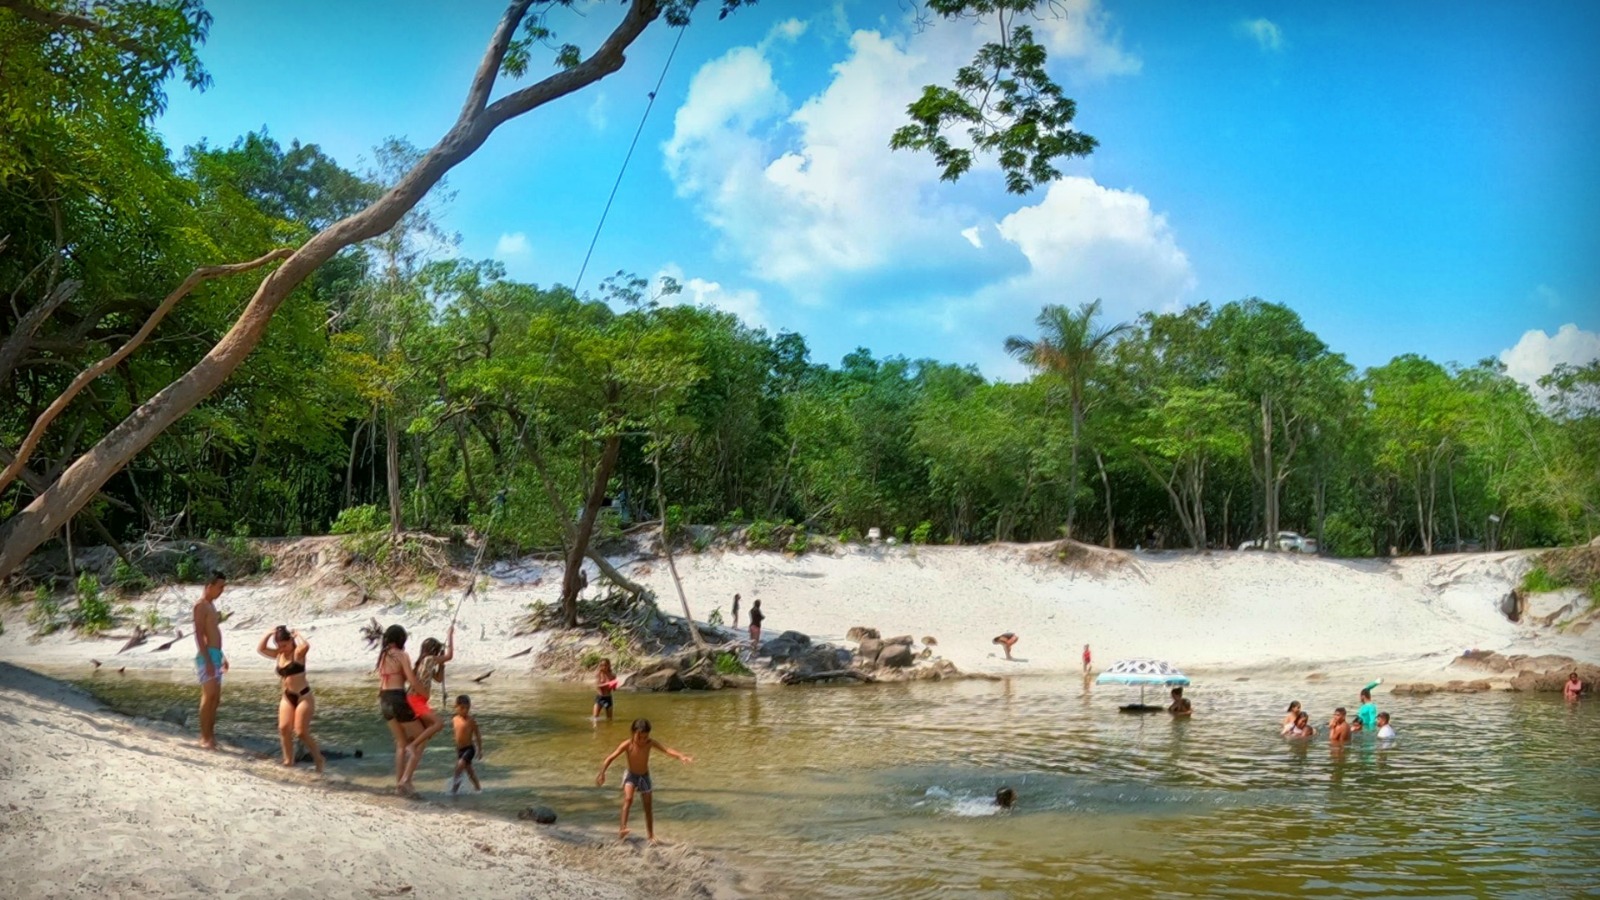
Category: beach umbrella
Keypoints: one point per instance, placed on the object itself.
(1144, 673)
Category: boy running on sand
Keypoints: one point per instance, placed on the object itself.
(469, 743)
(604, 683)
(638, 747)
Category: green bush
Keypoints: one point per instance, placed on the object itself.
(729, 664)
(715, 618)
(45, 614)
(922, 533)
(590, 658)
(761, 535)
(621, 645)
(189, 570)
(850, 536)
(673, 522)
(128, 577)
(1342, 536)
(94, 610)
(799, 543)
(701, 543)
(899, 534)
(360, 520)
(1540, 581)
(264, 564)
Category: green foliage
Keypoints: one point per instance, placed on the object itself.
(128, 577)
(189, 570)
(761, 535)
(94, 609)
(850, 536)
(715, 619)
(674, 522)
(900, 534)
(622, 655)
(362, 519)
(729, 664)
(590, 659)
(1539, 581)
(923, 533)
(45, 614)
(799, 543)
(1343, 537)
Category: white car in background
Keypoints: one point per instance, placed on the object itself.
(1291, 541)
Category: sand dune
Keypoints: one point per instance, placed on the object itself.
(1208, 612)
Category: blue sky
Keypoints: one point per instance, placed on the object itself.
(1413, 177)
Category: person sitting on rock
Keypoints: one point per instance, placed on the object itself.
(1007, 640)
(1574, 688)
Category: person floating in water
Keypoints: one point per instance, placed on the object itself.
(1292, 716)
(1385, 730)
(1005, 798)
(469, 744)
(1180, 704)
(1006, 641)
(1574, 687)
(638, 747)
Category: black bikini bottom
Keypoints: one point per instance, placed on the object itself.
(294, 696)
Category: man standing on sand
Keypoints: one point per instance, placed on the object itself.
(209, 662)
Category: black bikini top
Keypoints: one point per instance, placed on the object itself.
(293, 668)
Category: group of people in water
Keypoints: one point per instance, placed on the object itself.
(1342, 727)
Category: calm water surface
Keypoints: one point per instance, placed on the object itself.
(885, 789)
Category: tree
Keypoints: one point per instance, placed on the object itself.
(1006, 98)
(1068, 350)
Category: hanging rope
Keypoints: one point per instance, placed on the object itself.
(472, 579)
(638, 131)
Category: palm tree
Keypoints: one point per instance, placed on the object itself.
(1068, 349)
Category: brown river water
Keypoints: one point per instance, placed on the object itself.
(886, 790)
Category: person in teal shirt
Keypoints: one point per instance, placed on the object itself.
(1368, 712)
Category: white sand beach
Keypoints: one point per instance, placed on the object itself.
(1204, 612)
(98, 805)
(1217, 612)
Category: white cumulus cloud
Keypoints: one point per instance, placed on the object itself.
(512, 245)
(746, 304)
(1537, 354)
(1267, 35)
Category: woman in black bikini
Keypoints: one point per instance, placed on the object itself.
(298, 705)
(394, 674)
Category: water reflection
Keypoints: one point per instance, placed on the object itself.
(840, 792)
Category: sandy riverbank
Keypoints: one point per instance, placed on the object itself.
(1220, 612)
(98, 805)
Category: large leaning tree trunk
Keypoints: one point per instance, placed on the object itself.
(77, 485)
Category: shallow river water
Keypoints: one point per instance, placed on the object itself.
(885, 790)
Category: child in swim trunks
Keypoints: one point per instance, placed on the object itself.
(469, 744)
(604, 683)
(638, 747)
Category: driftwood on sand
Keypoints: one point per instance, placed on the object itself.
(520, 653)
(139, 637)
(482, 678)
(168, 644)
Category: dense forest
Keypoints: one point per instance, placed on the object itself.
(400, 386)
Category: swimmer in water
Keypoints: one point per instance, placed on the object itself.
(1005, 798)
(1289, 719)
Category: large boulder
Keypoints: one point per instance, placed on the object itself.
(896, 656)
(652, 666)
(861, 633)
(784, 647)
(702, 680)
(795, 637)
(542, 815)
(869, 648)
(660, 680)
(899, 639)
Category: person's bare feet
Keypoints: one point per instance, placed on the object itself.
(208, 745)
(652, 840)
(288, 763)
(321, 764)
(623, 835)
